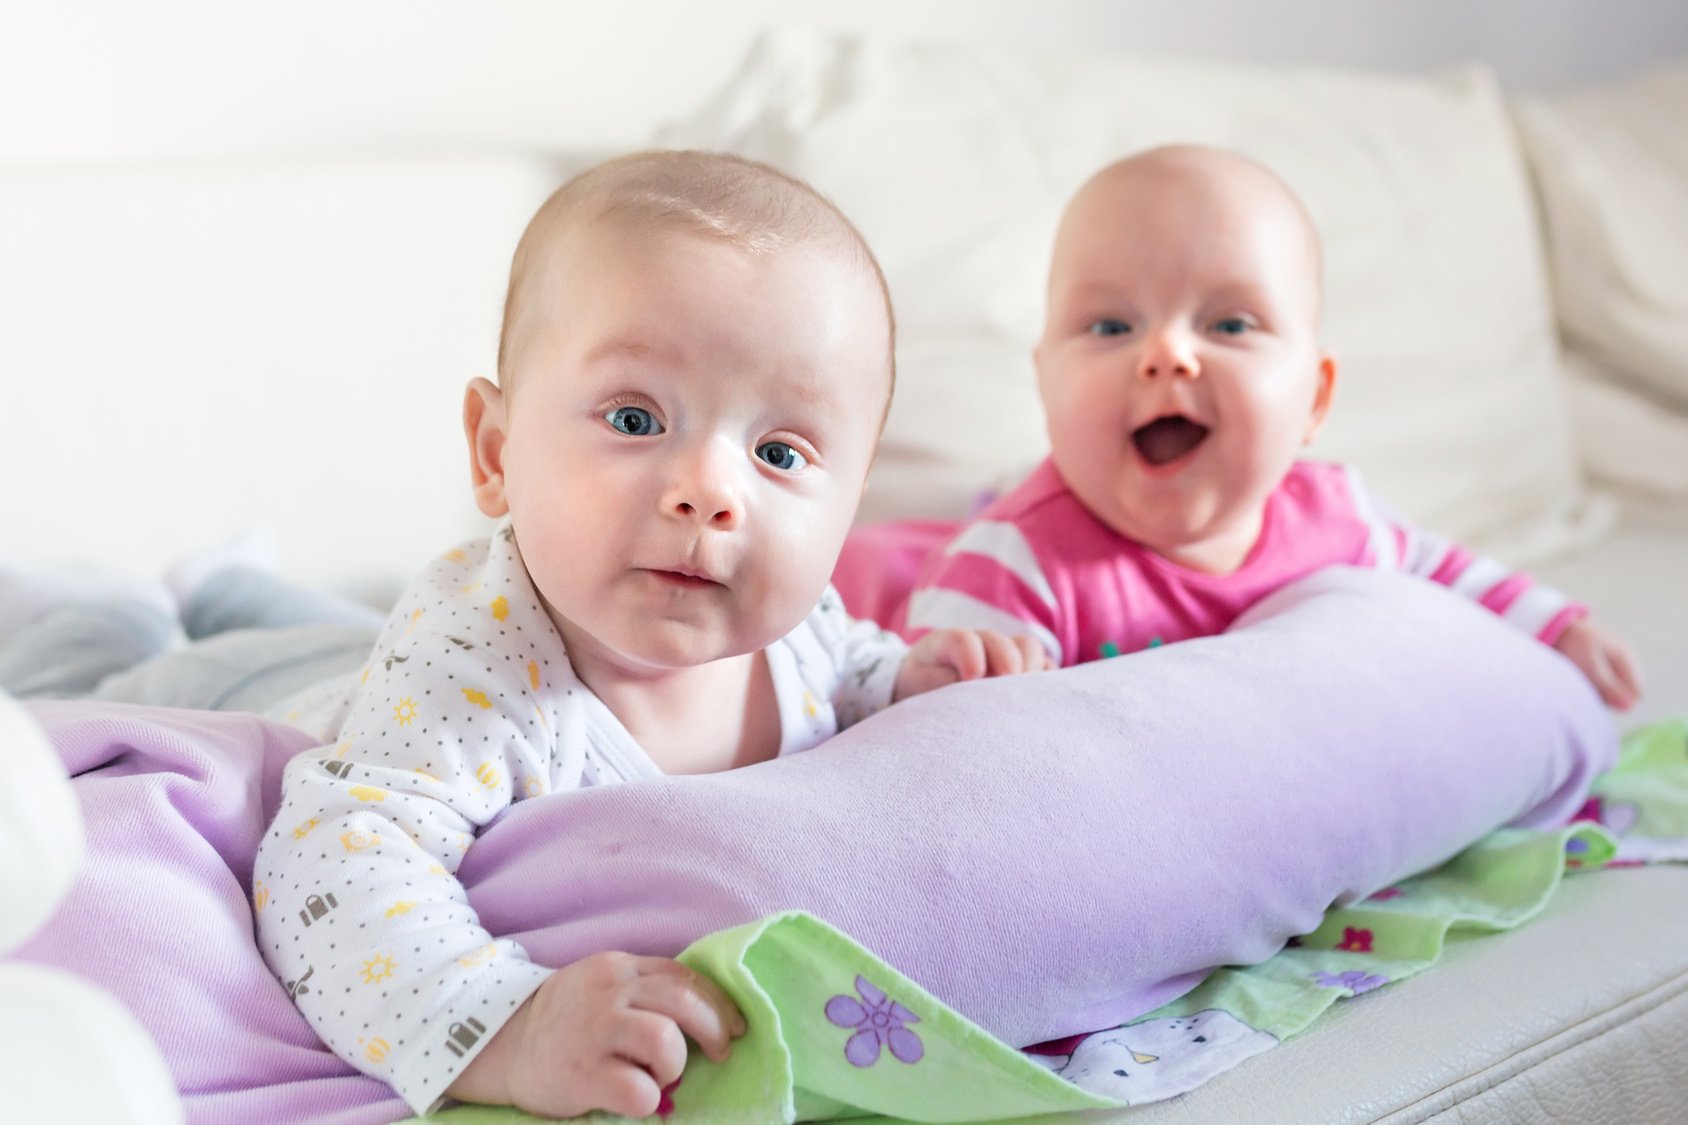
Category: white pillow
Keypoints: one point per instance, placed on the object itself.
(1626, 440)
(1612, 167)
(955, 161)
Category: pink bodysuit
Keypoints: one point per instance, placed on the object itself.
(1036, 561)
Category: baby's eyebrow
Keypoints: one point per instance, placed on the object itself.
(619, 347)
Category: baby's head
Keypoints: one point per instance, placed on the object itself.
(1180, 365)
(695, 366)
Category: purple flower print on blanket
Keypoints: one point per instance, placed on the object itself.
(1356, 979)
(879, 1021)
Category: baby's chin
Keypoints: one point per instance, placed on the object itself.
(669, 647)
(1199, 536)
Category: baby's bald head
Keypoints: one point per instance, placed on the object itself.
(1213, 181)
(748, 205)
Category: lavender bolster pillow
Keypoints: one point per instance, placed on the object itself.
(1058, 853)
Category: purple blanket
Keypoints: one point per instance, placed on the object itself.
(1048, 854)
(174, 803)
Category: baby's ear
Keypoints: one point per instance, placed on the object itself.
(484, 426)
(1325, 389)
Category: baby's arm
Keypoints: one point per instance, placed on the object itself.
(1538, 609)
(877, 668)
(359, 908)
(360, 912)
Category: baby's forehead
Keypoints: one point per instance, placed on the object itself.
(1196, 179)
(1185, 192)
(610, 285)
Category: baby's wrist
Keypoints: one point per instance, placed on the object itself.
(486, 1080)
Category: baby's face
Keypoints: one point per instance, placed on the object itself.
(1179, 366)
(687, 440)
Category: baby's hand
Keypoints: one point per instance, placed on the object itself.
(607, 1032)
(945, 656)
(1608, 663)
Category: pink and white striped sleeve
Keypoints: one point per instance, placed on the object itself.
(1396, 544)
(988, 577)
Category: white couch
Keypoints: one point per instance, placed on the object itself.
(1508, 295)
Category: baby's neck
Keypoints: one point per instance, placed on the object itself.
(1221, 553)
(702, 719)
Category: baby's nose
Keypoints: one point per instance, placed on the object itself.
(1165, 356)
(724, 516)
(704, 490)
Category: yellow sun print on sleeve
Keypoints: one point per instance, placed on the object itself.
(405, 711)
(355, 841)
(479, 957)
(378, 968)
(500, 607)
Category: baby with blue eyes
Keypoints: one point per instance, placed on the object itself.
(695, 365)
(1181, 374)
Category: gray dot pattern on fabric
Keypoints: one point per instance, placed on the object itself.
(468, 704)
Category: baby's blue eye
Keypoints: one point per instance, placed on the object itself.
(781, 456)
(633, 420)
(1231, 326)
(1108, 326)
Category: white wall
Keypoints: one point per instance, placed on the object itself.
(97, 79)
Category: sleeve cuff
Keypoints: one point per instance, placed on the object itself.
(451, 1039)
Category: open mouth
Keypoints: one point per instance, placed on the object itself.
(1168, 438)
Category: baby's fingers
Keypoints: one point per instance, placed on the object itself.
(651, 1040)
(1625, 672)
(1002, 655)
(623, 1087)
(691, 1002)
(1033, 656)
(964, 651)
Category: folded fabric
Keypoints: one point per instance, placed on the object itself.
(174, 803)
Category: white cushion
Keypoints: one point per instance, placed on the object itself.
(955, 161)
(41, 841)
(74, 1053)
(1627, 440)
(193, 347)
(1612, 166)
